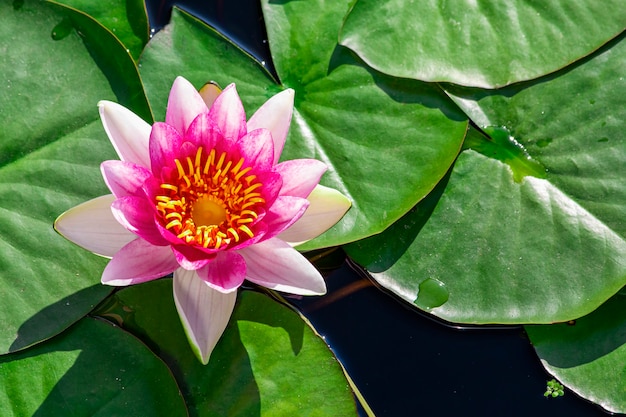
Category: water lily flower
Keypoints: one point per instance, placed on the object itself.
(204, 197)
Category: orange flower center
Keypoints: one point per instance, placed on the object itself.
(210, 201)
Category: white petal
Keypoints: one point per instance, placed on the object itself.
(204, 312)
(276, 265)
(327, 207)
(128, 132)
(183, 105)
(275, 115)
(92, 226)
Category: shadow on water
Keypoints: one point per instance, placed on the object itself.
(406, 363)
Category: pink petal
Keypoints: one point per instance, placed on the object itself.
(137, 262)
(183, 105)
(165, 143)
(225, 273)
(203, 132)
(136, 214)
(204, 312)
(276, 265)
(124, 178)
(275, 115)
(300, 176)
(92, 226)
(257, 148)
(189, 257)
(272, 184)
(128, 132)
(285, 211)
(327, 206)
(228, 114)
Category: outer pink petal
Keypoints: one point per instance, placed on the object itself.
(183, 105)
(137, 216)
(327, 206)
(128, 132)
(275, 115)
(124, 178)
(257, 148)
(300, 176)
(225, 273)
(137, 262)
(165, 143)
(285, 211)
(228, 114)
(191, 258)
(204, 312)
(276, 265)
(92, 226)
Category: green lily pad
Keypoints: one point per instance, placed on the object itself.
(268, 362)
(91, 369)
(112, 57)
(588, 355)
(51, 146)
(511, 243)
(126, 19)
(368, 128)
(479, 43)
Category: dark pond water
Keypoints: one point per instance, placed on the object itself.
(404, 362)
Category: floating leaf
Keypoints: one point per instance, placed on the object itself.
(268, 361)
(91, 369)
(126, 19)
(478, 43)
(588, 355)
(540, 247)
(51, 145)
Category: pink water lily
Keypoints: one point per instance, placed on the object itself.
(204, 197)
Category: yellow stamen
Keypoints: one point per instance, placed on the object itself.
(169, 187)
(210, 200)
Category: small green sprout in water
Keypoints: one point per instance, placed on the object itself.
(553, 389)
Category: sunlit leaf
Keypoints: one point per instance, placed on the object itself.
(588, 355)
(531, 247)
(480, 43)
(51, 145)
(126, 19)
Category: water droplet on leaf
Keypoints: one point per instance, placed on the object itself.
(432, 293)
(62, 29)
(542, 143)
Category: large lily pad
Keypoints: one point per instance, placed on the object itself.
(588, 355)
(92, 369)
(374, 132)
(268, 362)
(479, 43)
(51, 145)
(502, 244)
(126, 19)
